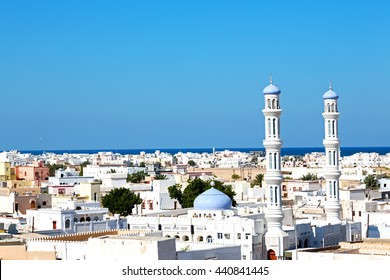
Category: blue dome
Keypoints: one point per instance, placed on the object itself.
(271, 89)
(212, 199)
(330, 94)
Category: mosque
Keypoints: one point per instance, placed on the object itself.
(263, 231)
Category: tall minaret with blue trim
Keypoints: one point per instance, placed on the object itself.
(332, 152)
(276, 240)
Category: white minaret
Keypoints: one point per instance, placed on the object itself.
(276, 240)
(332, 152)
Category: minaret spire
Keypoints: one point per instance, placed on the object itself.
(331, 142)
(270, 79)
(276, 240)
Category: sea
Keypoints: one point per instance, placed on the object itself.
(300, 151)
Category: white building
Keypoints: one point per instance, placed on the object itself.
(155, 197)
(213, 221)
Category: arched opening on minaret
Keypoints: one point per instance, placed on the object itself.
(273, 127)
(271, 255)
(269, 127)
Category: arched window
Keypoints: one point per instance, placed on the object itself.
(271, 197)
(269, 127)
(270, 163)
(209, 239)
(276, 195)
(328, 107)
(96, 218)
(273, 104)
(185, 238)
(333, 128)
(82, 219)
(75, 220)
(273, 127)
(269, 104)
(88, 219)
(275, 161)
(67, 223)
(200, 238)
(329, 128)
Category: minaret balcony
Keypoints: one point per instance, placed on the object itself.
(273, 144)
(331, 115)
(272, 112)
(331, 143)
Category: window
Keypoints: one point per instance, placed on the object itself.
(284, 188)
(275, 161)
(67, 223)
(269, 126)
(238, 235)
(219, 235)
(227, 235)
(247, 235)
(333, 128)
(274, 127)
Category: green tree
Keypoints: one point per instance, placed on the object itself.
(160, 177)
(82, 165)
(309, 177)
(191, 163)
(121, 201)
(235, 176)
(195, 187)
(371, 182)
(258, 181)
(142, 164)
(176, 193)
(53, 167)
(136, 177)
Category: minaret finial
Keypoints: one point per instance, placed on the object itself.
(270, 78)
(330, 85)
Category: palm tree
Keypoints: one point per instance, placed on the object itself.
(371, 182)
(309, 177)
(258, 180)
(160, 177)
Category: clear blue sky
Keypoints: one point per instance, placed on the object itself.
(189, 74)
